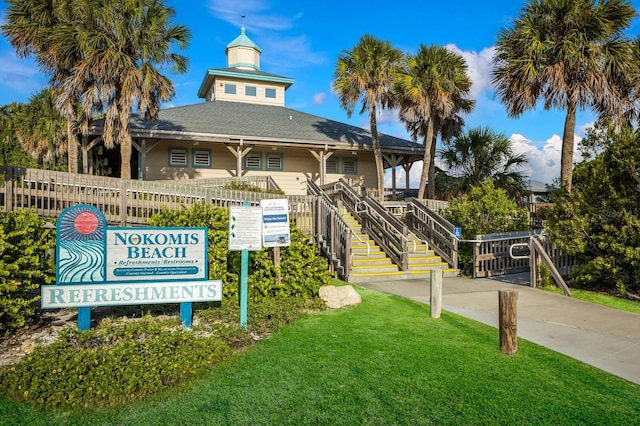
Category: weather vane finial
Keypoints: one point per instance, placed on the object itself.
(243, 22)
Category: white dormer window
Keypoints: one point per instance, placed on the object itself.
(230, 89)
(270, 92)
(250, 90)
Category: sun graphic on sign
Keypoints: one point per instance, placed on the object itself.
(82, 223)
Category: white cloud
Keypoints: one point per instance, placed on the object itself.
(479, 67)
(319, 98)
(543, 164)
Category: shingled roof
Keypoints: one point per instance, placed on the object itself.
(224, 121)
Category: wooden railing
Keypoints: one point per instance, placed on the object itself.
(429, 225)
(492, 254)
(332, 234)
(125, 202)
(386, 230)
(264, 183)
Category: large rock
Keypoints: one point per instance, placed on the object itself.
(338, 297)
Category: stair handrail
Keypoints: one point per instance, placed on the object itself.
(392, 237)
(356, 212)
(436, 230)
(328, 243)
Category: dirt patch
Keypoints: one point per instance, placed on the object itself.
(22, 342)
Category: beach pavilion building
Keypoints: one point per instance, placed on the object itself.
(243, 128)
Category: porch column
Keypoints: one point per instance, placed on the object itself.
(87, 146)
(393, 161)
(239, 153)
(407, 169)
(322, 157)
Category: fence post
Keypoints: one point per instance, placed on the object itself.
(508, 321)
(533, 264)
(435, 299)
(8, 189)
(123, 202)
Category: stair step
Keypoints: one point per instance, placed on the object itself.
(428, 266)
(371, 261)
(374, 269)
(377, 274)
(421, 260)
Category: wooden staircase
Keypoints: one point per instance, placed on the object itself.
(370, 263)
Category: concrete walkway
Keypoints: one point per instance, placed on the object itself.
(605, 338)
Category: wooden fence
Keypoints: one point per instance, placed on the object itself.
(128, 202)
(492, 254)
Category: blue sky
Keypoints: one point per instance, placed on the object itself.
(302, 40)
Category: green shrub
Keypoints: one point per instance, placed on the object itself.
(485, 210)
(111, 365)
(122, 360)
(26, 263)
(599, 220)
(244, 186)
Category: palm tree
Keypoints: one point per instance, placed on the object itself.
(103, 56)
(12, 152)
(479, 155)
(571, 53)
(41, 130)
(365, 74)
(431, 94)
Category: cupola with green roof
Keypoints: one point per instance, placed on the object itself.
(242, 80)
(243, 53)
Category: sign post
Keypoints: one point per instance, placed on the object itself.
(245, 234)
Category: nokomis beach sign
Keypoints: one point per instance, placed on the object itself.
(97, 265)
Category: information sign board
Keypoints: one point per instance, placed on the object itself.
(245, 228)
(275, 223)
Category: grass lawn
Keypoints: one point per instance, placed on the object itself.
(382, 362)
(600, 299)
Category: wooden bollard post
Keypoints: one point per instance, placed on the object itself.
(435, 301)
(508, 321)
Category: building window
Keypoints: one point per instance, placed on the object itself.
(178, 157)
(349, 166)
(270, 93)
(250, 90)
(230, 89)
(274, 161)
(201, 158)
(332, 165)
(253, 161)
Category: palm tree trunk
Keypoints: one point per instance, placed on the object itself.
(377, 152)
(431, 189)
(566, 160)
(125, 158)
(428, 141)
(72, 148)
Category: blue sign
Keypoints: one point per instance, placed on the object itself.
(457, 232)
(101, 266)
